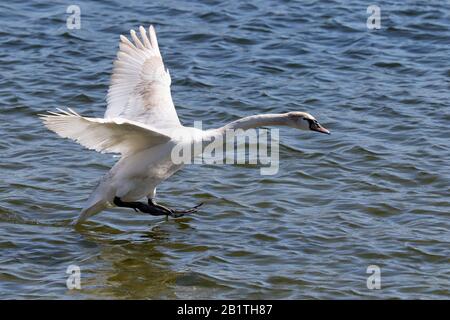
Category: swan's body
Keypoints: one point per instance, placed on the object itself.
(142, 125)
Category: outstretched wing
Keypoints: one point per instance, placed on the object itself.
(140, 85)
(115, 135)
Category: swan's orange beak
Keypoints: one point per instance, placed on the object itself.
(315, 126)
(322, 130)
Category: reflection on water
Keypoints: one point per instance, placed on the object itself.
(129, 264)
(374, 192)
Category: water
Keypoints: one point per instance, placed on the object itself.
(375, 192)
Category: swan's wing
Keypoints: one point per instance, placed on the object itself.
(140, 85)
(115, 135)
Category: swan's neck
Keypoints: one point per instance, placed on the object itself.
(262, 120)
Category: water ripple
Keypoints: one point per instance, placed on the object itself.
(374, 192)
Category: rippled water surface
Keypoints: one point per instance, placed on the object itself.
(375, 192)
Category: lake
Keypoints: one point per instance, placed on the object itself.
(376, 192)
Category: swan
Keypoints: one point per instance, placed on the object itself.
(141, 124)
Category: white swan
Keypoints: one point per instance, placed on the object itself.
(142, 125)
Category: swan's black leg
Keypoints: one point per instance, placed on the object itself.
(154, 211)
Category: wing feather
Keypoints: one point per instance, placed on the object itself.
(114, 135)
(140, 84)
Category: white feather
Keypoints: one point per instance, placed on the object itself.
(140, 84)
(114, 135)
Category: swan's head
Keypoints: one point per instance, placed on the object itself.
(305, 121)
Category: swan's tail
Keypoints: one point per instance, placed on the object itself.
(89, 211)
(96, 202)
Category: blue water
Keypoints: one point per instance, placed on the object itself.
(375, 192)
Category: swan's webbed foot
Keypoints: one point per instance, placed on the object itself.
(154, 209)
(173, 212)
